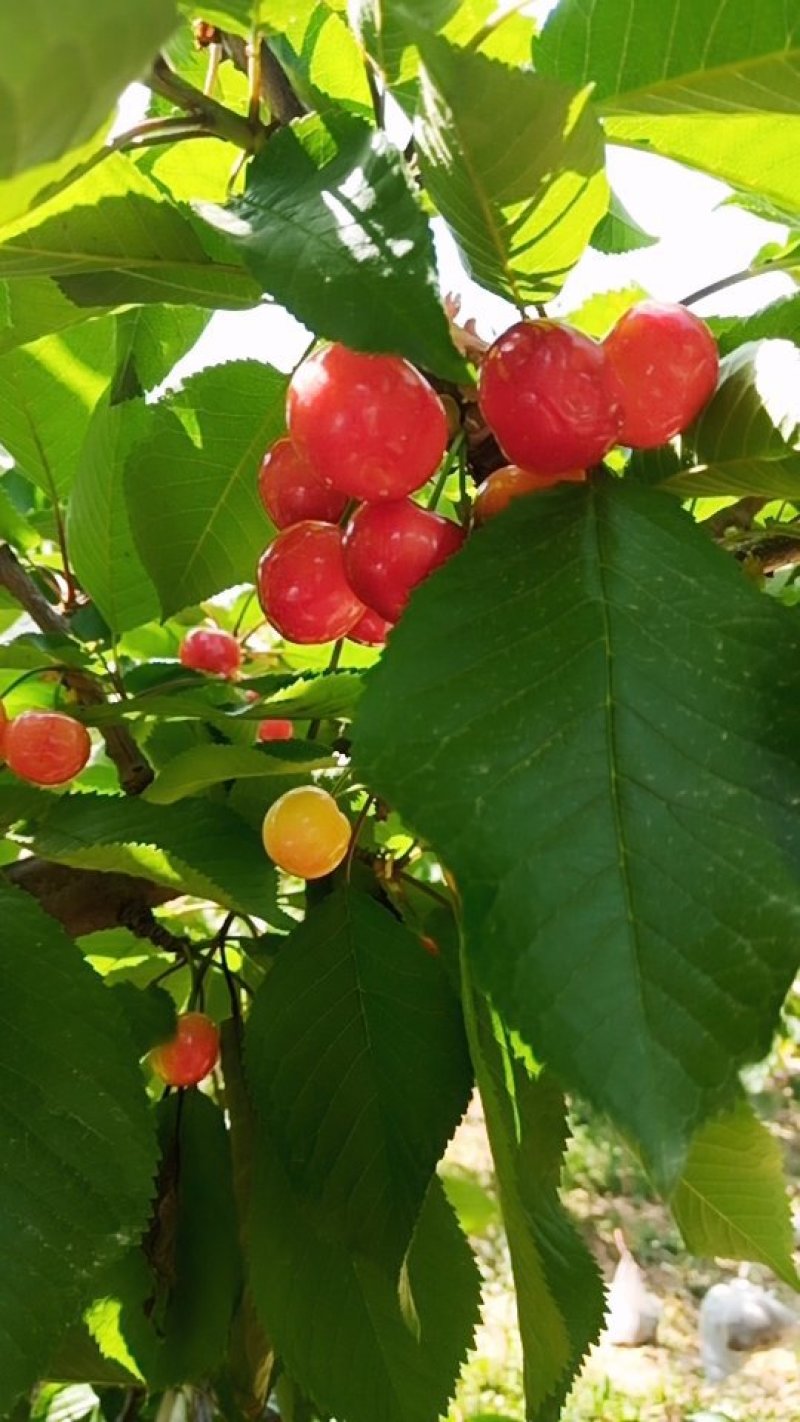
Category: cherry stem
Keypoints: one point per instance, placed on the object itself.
(424, 888)
(357, 828)
(336, 655)
(453, 454)
(789, 264)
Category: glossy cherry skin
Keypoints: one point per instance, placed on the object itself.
(667, 363)
(551, 397)
(275, 730)
(305, 832)
(371, 630)
(389, 548)
(302, 586)
(511, 482)
(210, 649)
(191, 1054)
(369, 425)
(46, 747)
(291, 492)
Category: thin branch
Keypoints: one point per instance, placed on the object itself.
(736, 278)
(133, 769)
(87, 900)
(217, 120)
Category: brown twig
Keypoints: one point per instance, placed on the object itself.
(133, 769)
(87, 900)
(215, 118)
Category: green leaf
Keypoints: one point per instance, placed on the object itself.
(560, 1295)
(48, 392)
(309, 1288)
(65, 67)
(169, 1314)
(354, 1023)
(101, 544)
(194, 770)
(31, 307)
(318, 53)
(746, 440)
(618, 232)
(115, 238)
(731, 1201)
(148, 1012)
(78, 1145)
(781, 319)
(614, 796)
(327, 697)
(521, 211)
(202, 849)
(191, 484)
(150, 341)
(714, 85)
(600, 312)
(329, 210)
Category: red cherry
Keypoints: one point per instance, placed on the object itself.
(190, 1054)
(551, 397)
(46, 747)
(667, 363)
(391, 547)
(510, 482)
(276, 730)
(370, 425)
(209, 649)
(371, 630)
(302, 585)
(291, 492)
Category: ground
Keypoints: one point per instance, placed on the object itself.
(605, 1189)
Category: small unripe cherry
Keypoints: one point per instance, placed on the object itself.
(667, 363)
(210, 649)
(291, 491)
(305, 832)
(302, 585)
(46, 747)
(551, 397)
(275, 730)
(390, 548)
(191, 1054)
(371, 630)
(511, 482)
(369, 425)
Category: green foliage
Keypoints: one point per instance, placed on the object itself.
(78, 1144)
(571, 774)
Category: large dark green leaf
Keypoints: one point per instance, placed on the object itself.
(191, 483)
(747, 439)
(101, 544)
(353, 1025)
(328, 212)
(78, 1152)
(310, 1289)
(204, 850)
(522, 210)
(590, 714)
(713, 83)
(169, 1312)
(65, 63)
(115, 238)
(731, 1201)
(560, 1298)
(48, 392)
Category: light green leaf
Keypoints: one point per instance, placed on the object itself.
(115, 238)
(319, 54)
(327, 697)
(191, 484)
(31, 307)
(78, 1154)
(194, 770)
(731, 1201)
(150, 341)
(353, 1024)
(560, 1296)
(522, 211)
(48, 392)
(747, 439)
(329, 210)
(204, 849)
(619, 232)
(615, 797)
(713, 83)
(600, 312)
(66, 61)
(100, 540)
(781, 319)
